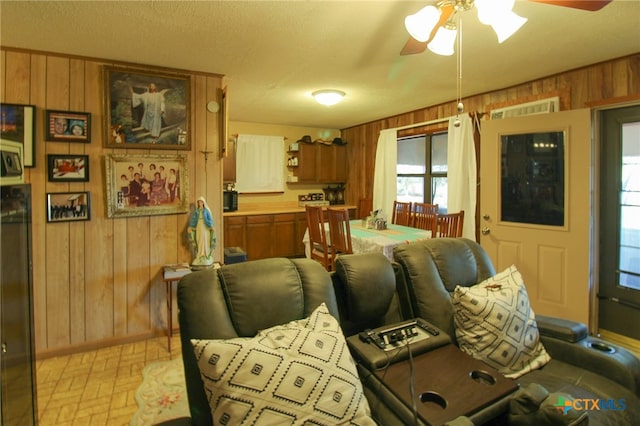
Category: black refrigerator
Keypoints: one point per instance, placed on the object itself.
(18, 390)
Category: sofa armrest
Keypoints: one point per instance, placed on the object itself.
(569, 331)
(599, 357)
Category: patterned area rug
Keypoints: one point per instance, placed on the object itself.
(162, 395)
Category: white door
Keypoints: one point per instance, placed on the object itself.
(535, 206)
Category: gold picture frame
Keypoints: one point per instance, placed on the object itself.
(146, 185)
(146, 109)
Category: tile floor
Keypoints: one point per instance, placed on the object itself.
(96, 387)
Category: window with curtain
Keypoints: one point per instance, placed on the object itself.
(260, 164)
(422, 169)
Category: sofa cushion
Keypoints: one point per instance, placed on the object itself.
(297, 372)
(495, 323)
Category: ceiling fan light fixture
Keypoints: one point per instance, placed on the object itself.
(444, 41)
(490, 11)
(507, 25)
(328, 97)
(421, 24)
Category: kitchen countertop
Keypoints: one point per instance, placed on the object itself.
(249, 209)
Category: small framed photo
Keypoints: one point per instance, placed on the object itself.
(17, 125)
(68, 168)
(68, 126)
(68, 206)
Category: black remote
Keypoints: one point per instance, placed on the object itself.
(427, 327)
(371, 336)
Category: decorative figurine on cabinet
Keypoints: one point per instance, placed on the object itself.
(202, 234)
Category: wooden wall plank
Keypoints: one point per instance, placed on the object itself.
(99, 252)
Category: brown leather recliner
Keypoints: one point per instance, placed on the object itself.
(581, 365)
(240, 299)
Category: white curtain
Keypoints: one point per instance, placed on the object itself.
(260, 163)
(461, 177)
(384, 178)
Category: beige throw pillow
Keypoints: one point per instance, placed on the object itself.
(495, 324)
(300, 373)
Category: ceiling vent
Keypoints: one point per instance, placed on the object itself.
(542, 106)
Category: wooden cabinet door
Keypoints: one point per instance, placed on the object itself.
(235, 231)
(307, 164)
(301, 228)
(326, 163)
(259, 236)
(284, 235)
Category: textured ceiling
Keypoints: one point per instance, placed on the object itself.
(275, 53)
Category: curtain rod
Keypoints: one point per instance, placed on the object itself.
(424, 123)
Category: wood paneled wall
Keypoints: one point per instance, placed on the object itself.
(99, 282)
(608, 82)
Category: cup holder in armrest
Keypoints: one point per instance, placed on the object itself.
(434, 397)
(602, 347)
(482, 377)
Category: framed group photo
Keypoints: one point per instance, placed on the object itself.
(17, 124)
(146, 109)
(68, 168)
(144, 185)
(68, 126)
(68, 206)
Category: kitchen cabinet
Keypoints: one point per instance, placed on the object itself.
(235, 231)
(332, 164)
(259, 236)
(319, 163)
(268, 235)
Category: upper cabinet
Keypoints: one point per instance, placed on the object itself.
(319, 163)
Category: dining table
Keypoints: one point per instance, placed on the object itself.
(367, 240)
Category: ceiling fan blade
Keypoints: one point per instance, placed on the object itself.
(413, 46)
(590, 5)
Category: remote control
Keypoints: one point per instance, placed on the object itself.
(427, 327)
(371, 336)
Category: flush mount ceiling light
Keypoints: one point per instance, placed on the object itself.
(328, 97)
(435, 27)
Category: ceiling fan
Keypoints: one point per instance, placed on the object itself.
(435, 27)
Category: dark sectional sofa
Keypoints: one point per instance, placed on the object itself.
(367, 291)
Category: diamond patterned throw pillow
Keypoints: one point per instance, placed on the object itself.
(300, 373)
(495, 324)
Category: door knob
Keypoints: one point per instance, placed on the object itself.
(485, 216)
(485, 231)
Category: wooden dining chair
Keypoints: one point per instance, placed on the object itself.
(317, 236)
(450, 225)
(365, 206)
(339, 232)
(425, 216)
(401, 213)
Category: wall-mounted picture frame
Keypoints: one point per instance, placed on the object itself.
(145, 185)
(11, 162)
(68, 168)
(68, 126)
(17, 124)
(68, 206)
(147, 109)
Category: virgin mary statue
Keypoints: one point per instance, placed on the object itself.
(201, 234)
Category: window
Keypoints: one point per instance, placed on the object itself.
(422, 169)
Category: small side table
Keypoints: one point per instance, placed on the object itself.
(169, 289)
